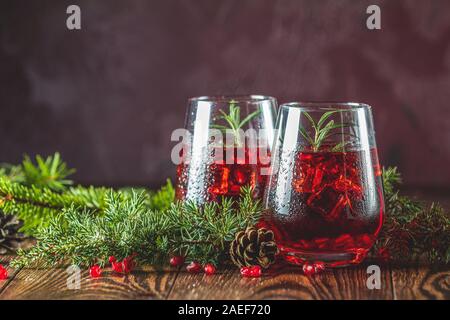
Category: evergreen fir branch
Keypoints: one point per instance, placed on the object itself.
(128, 226)
(80, 238)
(36, 206)
(38, 193)
(11, 172)
(160, 199)
(412, 230)
(90, 197)
(30, 204)
(16, 192)
(35, 216)
(215, 226)
(163, 198)
(50, 173)
(391, 179)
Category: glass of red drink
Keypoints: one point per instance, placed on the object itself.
(227, 145)
(324, 198)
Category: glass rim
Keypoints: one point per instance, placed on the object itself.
(252, 98)
(326, 105)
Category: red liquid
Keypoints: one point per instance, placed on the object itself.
(225, 177)
(335, 208)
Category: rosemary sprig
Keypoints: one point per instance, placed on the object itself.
(234, 122)
(340, 146)
(322, 131)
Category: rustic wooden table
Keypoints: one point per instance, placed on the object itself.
(413, 282)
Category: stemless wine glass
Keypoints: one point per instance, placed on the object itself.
(227, 146)
(324, 198)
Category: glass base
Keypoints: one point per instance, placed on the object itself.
(330, 259)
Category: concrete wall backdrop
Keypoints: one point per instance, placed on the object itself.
(108, 96)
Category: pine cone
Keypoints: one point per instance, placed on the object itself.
(10, 237)
(253, 247)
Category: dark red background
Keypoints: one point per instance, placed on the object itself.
(108, 96)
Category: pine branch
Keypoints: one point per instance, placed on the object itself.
(412, 230)
(162, 199)
(203, 233)
(128, 226)
(20, 192)
(42, 197)
(89, 197)
(35, 206)
(50, 173)
(11, 172)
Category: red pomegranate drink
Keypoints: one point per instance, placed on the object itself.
(227, 146)
(336, 208)
(325, 199)
(225, 177)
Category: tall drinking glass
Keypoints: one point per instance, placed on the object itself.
(227, 145)
(324, 198)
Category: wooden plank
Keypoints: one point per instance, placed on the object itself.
(49, 284)
(421, 282)
(4, 261)
(288, 283)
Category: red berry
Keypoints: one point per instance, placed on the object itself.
(3, 273)
(95, 271)
(253, 271)
(117, 267)
(319, 266)
(124, 266)
(245, 271)
(256, 271)
(308, 269)
(176, 261)
(128, 264)
(194, 267)
(210, 269)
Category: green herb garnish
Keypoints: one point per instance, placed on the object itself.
(234, 122)
(322, 131)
